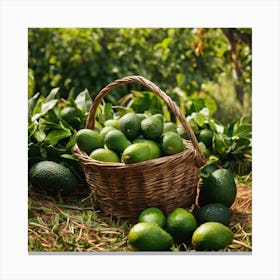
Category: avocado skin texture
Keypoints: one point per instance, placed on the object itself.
(149, 237)
(52, 178)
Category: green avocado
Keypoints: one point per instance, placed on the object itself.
(115, 140)
(53, 178)
(149, 237)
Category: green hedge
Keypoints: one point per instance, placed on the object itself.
(182, 61)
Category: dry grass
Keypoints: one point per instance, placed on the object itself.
(72, 225)
(241, 220)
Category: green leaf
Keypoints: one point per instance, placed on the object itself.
(71, 142)
(205, 112)
(52, 94)
(32, 127)
(165, 43)
(31, 104)
(71, 103)
(82, 100)
(39, 135)
(54, 136)
(50, 124)
(146, 101)
(215, 126)
(243, 142)
(70, 157)
(52, 116)
(198, 104)
(211, 104)
(108, 111)
(45, 107)
(179, 79)
(199, 119)
(229, 130)
(242, 146)
(243, 131)
(121, 110)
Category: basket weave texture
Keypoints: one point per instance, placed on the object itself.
(124, 190)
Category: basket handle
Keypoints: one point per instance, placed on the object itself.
(169, 102)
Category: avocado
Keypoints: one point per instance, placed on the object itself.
(155, 151)
(106, 155)
(171, 143)
(130, 125)
(149, 237)
(169, 126)
(213, 212)
(181, 224)
(136, 153)
(89, 140)
(115, 140)
(152, 127)
(211, 236)
(106, 129)
(153, 215)
(218, 187)
(53, 178)
(113, 122)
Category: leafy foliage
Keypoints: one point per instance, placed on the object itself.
(231, 146)
(50, 137)
(192, 65)
(186, 59)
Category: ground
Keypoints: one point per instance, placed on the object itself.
(71, 224)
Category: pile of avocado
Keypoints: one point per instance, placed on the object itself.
(156, 232)
(205, 228)
(131, 138)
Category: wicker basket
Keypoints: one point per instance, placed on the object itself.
(124, 190)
